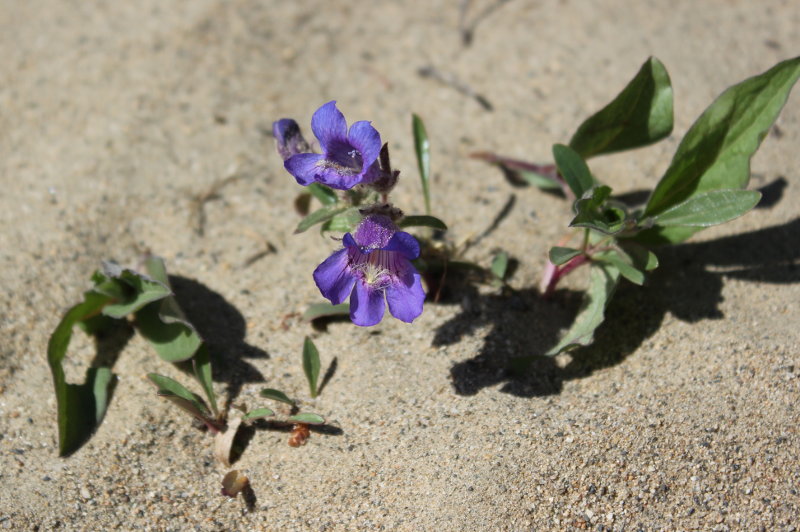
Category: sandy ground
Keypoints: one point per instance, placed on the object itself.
(115, 115)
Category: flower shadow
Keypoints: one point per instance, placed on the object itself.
(688, 284)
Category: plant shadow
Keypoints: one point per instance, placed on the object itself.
(688, 284)
(224, 329)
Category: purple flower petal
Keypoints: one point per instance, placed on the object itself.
(334, 178)
(365, 139)
(349, 241)
(405, 301)
(366, 305)
(333, 279)
(329, 125)
(405, 244)
(303, 167)
(375, 231)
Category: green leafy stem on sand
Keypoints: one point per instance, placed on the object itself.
(703, 186)
(118, 293)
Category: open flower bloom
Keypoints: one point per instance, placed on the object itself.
(374, 265)
(349, 158)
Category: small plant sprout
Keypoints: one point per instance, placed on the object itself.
(703, 186)
(298, 421)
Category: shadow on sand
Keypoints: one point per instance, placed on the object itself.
(688, 284)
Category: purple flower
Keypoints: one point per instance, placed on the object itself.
(373, 265)
(349, 158)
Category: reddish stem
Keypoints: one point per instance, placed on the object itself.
(554, 273)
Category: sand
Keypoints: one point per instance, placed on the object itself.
(116, 116)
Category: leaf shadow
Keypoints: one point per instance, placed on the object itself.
(688, 284)
(224, 329)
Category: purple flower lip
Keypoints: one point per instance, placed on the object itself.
(374, 265)
(349, 158)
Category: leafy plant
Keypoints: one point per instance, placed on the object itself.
(703, 186)
(117, 295)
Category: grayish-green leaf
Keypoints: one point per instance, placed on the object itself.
(604, 278)
(311, 365)
(500, 266)
(326, 310)
(307, 418)
(640, 115)
(624, 264)
(559, 255)
(709, 208)
(174, 341)
(539, 180)
(168, 388)
(276, 395)
(325, 195)
(319, 216)
(258, 413)
(344, 222)
(641, 257)
(715, 153)
(139, 289)
(422, 221)
(201, 363)
(573, 168)
(80, 407)
(423, 151)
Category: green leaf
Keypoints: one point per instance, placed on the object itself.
(604, 278)
(573, 168)
(594, 212)
(326, 310)
(257, 414)
(164, 324)
(640, 115)
(422, 221)
(715, 153)
(325, 195)
(137, 290)
(559, 255)
(319, 216)
(171, 389)
(201, 363)
(276, 395)
(343, 222)
(539, 180)
(709, 208)
(311, 365)
(422, 149)
(641, 258)
(173, 339)
(80, 407)
(624, 264)
(500, 266)
(307, 418)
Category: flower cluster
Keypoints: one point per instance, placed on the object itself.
(374, 266)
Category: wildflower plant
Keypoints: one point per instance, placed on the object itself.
(353, 179)
(703, 186)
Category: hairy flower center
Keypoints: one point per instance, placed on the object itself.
(376, 269)
(343, 159)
